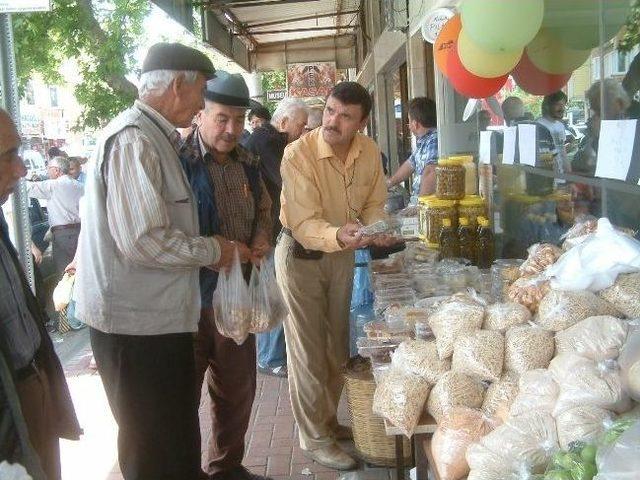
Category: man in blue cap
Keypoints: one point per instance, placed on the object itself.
(233, 203)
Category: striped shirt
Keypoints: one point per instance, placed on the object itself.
(136, 209)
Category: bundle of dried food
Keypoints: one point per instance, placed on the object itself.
(500, 396)
(529, 291)
(454, 389)
(560, 309)
(480, 355)
(502, 316)
(537, 391)
(459, 316)
(597, 338)
(420, 357)
(585, 423)
(624, 294)
(541, 256)
(528, 347)
(399, 397)
(457, 430)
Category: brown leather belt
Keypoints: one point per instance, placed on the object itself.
(65, 227)
(298, 250)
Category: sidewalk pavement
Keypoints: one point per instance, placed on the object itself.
(272, 442)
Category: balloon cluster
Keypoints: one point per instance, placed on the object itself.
(535, 41)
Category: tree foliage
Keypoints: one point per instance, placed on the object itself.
(99, 35)
(631, 36)
(273, 80)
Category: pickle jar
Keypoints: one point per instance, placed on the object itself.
(422, 216)
(434, 211)
(472, 207)
(450, 177)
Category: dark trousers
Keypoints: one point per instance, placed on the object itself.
(64, 245)
(231, 382)
(39, 416)
(149, 384)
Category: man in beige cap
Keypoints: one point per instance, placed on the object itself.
(137, 280)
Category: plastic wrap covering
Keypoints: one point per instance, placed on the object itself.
(459, 316)
(480, 355)
(559, 310)
(583, 423)
(621, 461)
(625, 294)
(268, 309)
(528, 347)
(630, 365)
(585, 382)
(420, 357)
(528, 291)
(537, 391)
(596, 338)
(541, 256)
(454, 389)
(500, 396)
(502, 316)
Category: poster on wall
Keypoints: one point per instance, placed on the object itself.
(310, 79)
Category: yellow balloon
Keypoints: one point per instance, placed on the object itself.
(483, 63)
(551, 55)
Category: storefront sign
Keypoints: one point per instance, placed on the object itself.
(24, 6)
(527, 146)
(509, 151)
(433, 23)
(615, 148)
(276, 95)
(310, 79)
(486, 138)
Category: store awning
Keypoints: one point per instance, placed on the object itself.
(269, 34)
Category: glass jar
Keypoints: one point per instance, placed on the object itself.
(432, 212)
(450, 177)
(472, 207)
(470, 173)
(422, 216)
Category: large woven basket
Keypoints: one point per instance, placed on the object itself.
(371, 441)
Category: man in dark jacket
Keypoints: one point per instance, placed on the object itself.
(267, 143)
(233, 203)
(30, 372)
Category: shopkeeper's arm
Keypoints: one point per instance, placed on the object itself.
(404, 172)
(301, 207)
(428, 182)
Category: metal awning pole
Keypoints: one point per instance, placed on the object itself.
(9, 100)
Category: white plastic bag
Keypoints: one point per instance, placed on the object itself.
(479, 354)
(596, 338)
(267, 305)
(559, 309)
(232, 303)
(454, 389)
(595, 263)
(500, 396)
(420, 357)
(456, 317)
(584, 423)
(537, 391)
(630, 365)
(585, 382)
(502, 316)
(620, 461)
(63, 291)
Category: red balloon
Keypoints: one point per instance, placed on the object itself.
(535, 81)
(468, 84)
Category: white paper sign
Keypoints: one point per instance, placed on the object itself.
(615, 148)
(509, 150)
(485, 146)
(23, 6)
(527, 144)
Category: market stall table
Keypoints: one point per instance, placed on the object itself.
(421, 438)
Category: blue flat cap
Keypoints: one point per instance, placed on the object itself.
(228, 89)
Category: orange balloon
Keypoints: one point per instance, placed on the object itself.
(447, 40)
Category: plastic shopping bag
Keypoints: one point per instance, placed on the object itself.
(232, 304)
(621, 461)
(267, 305)
(62, 292)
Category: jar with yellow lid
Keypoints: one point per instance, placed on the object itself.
(470, 173)
(472, 207)
(450, 176)
(432, 211)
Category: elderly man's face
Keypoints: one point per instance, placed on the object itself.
(188, 100)
(74, 169)
(221, 126)
(11, 165)
(294, 126)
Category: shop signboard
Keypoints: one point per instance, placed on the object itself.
(433, 23)
(276, 95)
(310, 79)
(24, 6)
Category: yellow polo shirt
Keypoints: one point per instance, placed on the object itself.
(320, 193)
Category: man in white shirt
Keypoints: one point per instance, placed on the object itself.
(553, 107)
(63, 193)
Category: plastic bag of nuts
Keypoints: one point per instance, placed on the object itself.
(479, 355)
(454, 318)
(529, 291)
(528, 347)
(541, 255)
(559, 309)
(454, 389)
(502, 316)
(420, 357)
(597, 338)
(399, 397)
(500, 396)
(625, 294)
(537, 391)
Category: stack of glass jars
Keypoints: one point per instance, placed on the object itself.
(432, 211)
(450, 179)
(472, 207)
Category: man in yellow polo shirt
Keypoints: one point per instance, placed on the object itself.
(332, 184)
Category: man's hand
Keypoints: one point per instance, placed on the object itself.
(260, 247)
(37, 254)
(227, 251)
(385, 241)
(349, 236)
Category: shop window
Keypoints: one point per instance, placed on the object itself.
(53, 96)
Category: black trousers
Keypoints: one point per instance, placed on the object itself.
(149, 384)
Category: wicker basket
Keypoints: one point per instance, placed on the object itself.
(371, 441)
